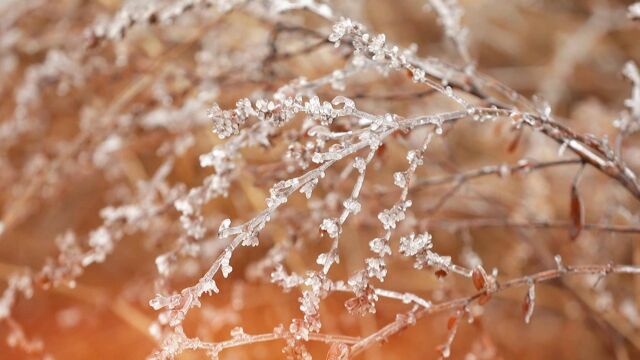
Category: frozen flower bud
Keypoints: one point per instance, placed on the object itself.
(249, 240)
(340, 29)
(209, 287)
(400, 179)
(349, 105)
(159, 301)
(418, 75)
(380, 246)
(237, 333)
(224, 226)
(414, 157)
(352, 205)
(307, 189)
(359, 164)
(376, 267)
(376, 47)
(413, 244)
(330, 227)
(225, 267)
(390, 217)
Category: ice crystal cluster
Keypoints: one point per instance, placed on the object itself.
(298, 149)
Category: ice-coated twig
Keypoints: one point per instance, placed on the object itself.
(450, 15)
(394, 327)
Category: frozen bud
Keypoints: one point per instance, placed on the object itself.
(529, 303)
(414, 157)
(376, 47)
(413, 244)
(390, 217)
(249, 240)
(418, 75)
(322, 259)
(330, 227)
(340, 29)
(317, 158)
(307, 189)
(352, 205)
(159, 301)
(224, 226)
(380, 246)
(338, 351)
(209, 287)
(237, 333)
(400, 179)
(225, 267)
(438, 260)
(376, 267)
(360, 164)
(349, 105)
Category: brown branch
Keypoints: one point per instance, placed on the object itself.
(403, 322)
(500, 170)
(539, 224)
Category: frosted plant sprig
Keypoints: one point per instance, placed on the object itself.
(179, 304)
(178, 342)
(592, 152)
(166, 12)
(633, 103)
(438, 120)
(629, 121)
(310, 301)
(188, 297)
(279, 110)
(19, 283)
(134, 105)
(375, 266)
(288, 281)
(529, 302)
(401, 323)
(450, 15)
(420, 247)
(405, 297)
(63, 71)
(351, 206)
(153, 198)
(17, 338)
(376, 49)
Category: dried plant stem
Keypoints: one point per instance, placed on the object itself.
(401, 323)
(507, 223)
(523, 166)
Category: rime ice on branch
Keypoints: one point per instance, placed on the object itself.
(335, 146)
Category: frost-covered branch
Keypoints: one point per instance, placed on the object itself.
(402, 322)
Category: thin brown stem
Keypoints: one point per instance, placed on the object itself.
(401, 322)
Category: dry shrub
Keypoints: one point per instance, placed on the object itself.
(442, 178)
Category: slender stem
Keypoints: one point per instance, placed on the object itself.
(489, 223)
(401, 322)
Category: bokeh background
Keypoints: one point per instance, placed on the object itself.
(155, 85)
